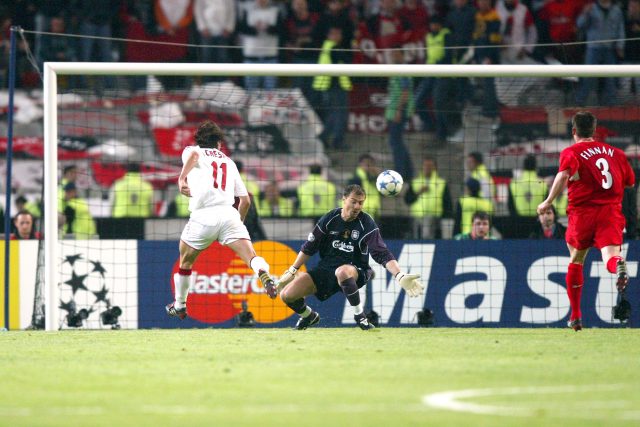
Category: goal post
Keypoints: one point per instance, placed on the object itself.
(52, 70)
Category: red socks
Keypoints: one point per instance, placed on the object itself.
(612, 264)
(574, 282)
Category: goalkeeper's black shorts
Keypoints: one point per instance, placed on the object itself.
(327, 283)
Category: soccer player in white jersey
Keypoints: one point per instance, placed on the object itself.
(211, 180)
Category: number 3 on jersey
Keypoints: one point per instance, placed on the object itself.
(603, 165)
(222, 182)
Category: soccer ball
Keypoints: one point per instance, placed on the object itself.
(389, 183)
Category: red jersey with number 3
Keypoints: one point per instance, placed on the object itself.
(599, 173)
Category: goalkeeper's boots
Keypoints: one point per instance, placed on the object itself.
(172, 311)
(363, 322)
(575, 324)
(268, 283)
(623, 277)
(305, 322)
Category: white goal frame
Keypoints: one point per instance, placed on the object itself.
(53, 69)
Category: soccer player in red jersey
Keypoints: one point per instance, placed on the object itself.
(596, 174)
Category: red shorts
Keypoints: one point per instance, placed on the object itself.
(598, 225)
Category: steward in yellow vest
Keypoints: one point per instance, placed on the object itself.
(316, 195)
(323, 83)
(468, 204)
(79, 221)
(479, 172)
(428, 193)
(365, 176)
(527, 191)
(132, 195)
(273, 204)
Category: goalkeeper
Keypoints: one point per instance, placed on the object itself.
(344, 237)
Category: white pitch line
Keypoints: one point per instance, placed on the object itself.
(451, 400)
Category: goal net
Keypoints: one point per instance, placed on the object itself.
(113, 221)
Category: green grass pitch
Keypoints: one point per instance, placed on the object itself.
(321, 377)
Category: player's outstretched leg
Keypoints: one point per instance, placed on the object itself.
(172, 311)
(622, 276)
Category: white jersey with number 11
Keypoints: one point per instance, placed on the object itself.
(215, 180)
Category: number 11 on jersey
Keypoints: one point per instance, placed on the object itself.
(223, 175)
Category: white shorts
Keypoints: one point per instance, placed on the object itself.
(204, 228)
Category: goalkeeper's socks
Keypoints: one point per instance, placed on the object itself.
(307, 311)
(350, 289)
(181, 281)
(299, 307)
(574, 283)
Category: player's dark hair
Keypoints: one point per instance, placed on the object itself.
(530, 163)
(584, 122)
(69, 169)
(315, 169)
(365, 156)
(209, 135)
(555, 213)
(32, 234)
(481, 215)
(477, 156)
(353, 189)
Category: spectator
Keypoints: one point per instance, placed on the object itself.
(22, 204)
(558, 19)
(632, 47)
(273, 204)
(526, 192)
(601, 20)
(487, 34)
(414, 17)
(260, 28)
(78, 219)
(435, 89)
(336, 15)
(95, 17)
(548, 226)
(132, 196)
(386, 28)
(429, 199)
(630, 212)
(480, 228)
(468, 204)
(24, 224)
(478, 171)
(399, 110)
(461, 20)
(365, 176)
(332, 93)
(299, 29)
(179, 207)
(316, 195)
(58, 48)
(518, 32)
(216, 22)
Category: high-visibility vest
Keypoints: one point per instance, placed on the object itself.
(182, 205)
(469, 205)
(487, 187)
(528, 191)
(435, 46)
(133, 197)
(561, 203)
(83, 226)
(252, 187)
(373, 201)
(323, 83)
(428, 203)
(317, 196)
(285, 208)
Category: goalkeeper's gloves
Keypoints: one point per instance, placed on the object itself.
(410, 283)
(286, 278)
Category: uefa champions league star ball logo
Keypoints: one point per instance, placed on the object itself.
(84, 295)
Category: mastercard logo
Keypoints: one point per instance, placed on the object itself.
(221, 282)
